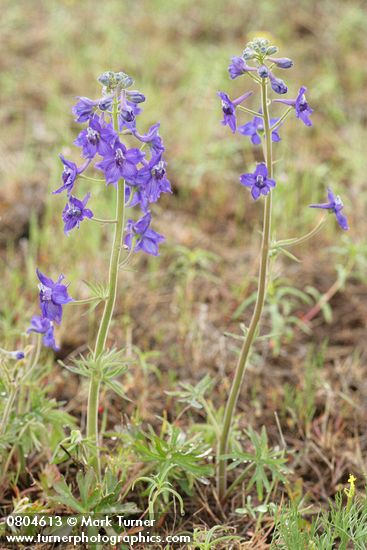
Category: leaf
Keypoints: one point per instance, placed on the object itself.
(118, 388)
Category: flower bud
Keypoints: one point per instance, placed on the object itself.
(105, 78)
(248, 53)
(271, 50)
(105, 104)
(135, 97)
(263, 71)
(111, 81)
(277, 85)
(282, 62)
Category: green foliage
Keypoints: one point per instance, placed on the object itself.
(194, 396)
(300, 401)
(180, 458)
(99, 498)
(159, 492)
(212, 539)
(338, 527)
(108, 366)
(283, 303)
(266, 465)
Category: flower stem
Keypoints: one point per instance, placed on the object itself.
(95, 381)
(250, 111)
(99, 220)
(299, 240)
(282, 118)
(262, 283)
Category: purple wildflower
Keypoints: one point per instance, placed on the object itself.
(152, 178)
(128, 113)
(17, 354)
(84, 109)
(120, 162)
(335, 206)
(238, 67)
(253, 128)
(229, 108)
(96, 138)
(75, 212)
(69, 175)
(52, 297)
(141, 236)
(42, 325)
(282, 62)
(152, 138)
(258, 181)
(277, 85)
(302, 108)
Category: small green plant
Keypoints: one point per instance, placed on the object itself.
(264, 466)
(213, 539)
(342, 526)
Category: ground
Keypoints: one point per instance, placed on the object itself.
(184, 310)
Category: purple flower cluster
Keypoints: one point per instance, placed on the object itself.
(105, 142)
(261, 54)
(145, 176)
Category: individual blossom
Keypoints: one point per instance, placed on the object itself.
(120, 162)
(229, 108)
(69, 175)
(258, 181)
(335, 206)
(96, 138)
(141, 237)
(153, 179)
(277, 84)
(75, 212)
(52, 297)
(129, 110)
(42, 325)
(16, 355)
(151, 138)
(84, 109)
(253, 129)
(239, 67)
(302, 108)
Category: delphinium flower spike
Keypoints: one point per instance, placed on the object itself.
(258, 63)
(138, 179)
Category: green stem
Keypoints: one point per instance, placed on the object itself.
(250, 111)
(299, 240)
(8, 408)
(99, 220)
(262, 283)
(95, 381)
(237, 481)
(283, 117)
(89, 178)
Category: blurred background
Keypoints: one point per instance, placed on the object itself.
(184, 304)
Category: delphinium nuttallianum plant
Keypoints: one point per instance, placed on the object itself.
(137, 177)
(259, 63)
